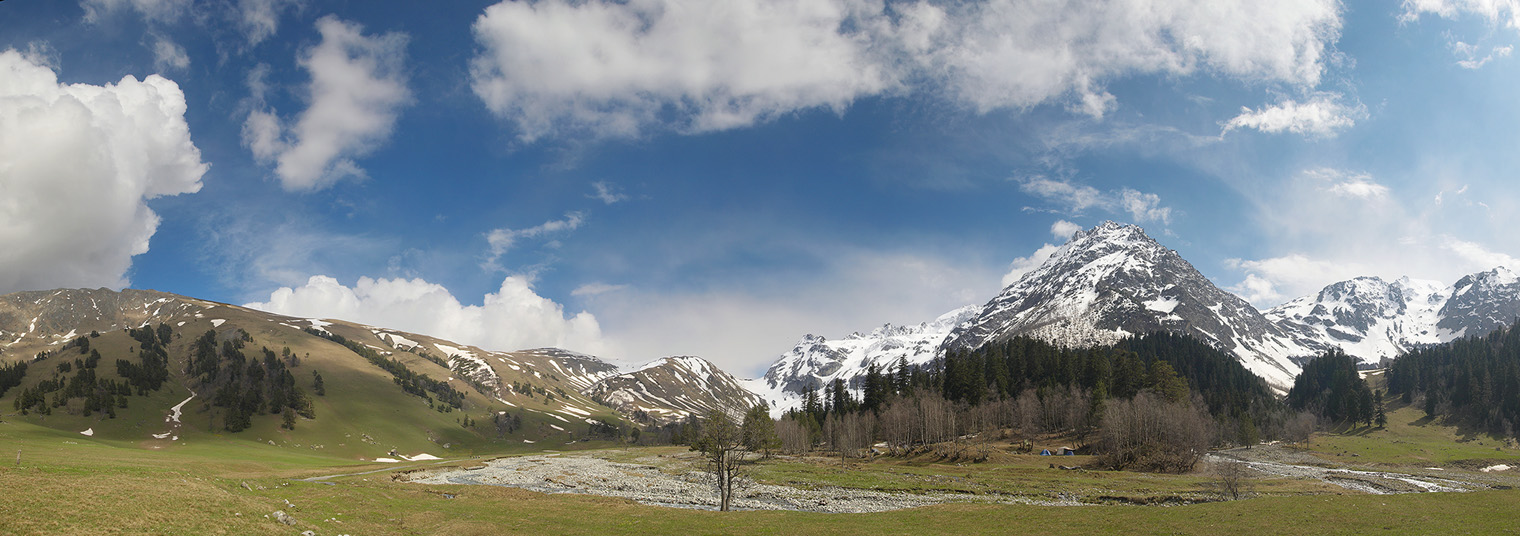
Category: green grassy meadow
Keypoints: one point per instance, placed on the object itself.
(71, 484)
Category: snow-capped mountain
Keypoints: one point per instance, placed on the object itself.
(1113, 281)
(1367, 317)
(1481, 303)
(816, 361)
(1372, 319)
(673, 388)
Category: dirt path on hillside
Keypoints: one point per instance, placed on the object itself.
(647, 484)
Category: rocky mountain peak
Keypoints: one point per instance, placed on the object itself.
(1113, 281)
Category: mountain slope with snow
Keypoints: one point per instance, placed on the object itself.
(673, 388)
(1367, 317)
(817, 361)
(1373, 319)
(1113, 281)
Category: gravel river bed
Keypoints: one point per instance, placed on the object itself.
(648, 484)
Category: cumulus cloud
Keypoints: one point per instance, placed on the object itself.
(513, 318)
(1063, 229)
(169, 55)
(358, 86)
(1322, 115)
(1275, 280)
(1024, 265)
(1012, 53)
(1144, 207)
(77, 163)
(612, 67)
(615, 68)
(1077, 198)
(502, 240)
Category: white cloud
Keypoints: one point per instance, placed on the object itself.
(745, 327)
(1469, 54)
(1144, 207)
(502, 240)
(1322, 115)
(1024, 265)
(1360, 188)
(260, 19)
(1348, 184)
(593, 289)
(1506, 12)
(614, 69)
(1477, 255)
(358, 86)
(513, 318)
(1076, 198)
(1257, 289)
(1278, 279)
(1441, 195)
(77, 163)
(1063, 229)
(168, 55)
(153, 10)
(607, 193)
(611, 68)
(1013, 53)
(1325, 225)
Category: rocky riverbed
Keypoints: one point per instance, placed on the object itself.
(1275, 461)
(649, 484)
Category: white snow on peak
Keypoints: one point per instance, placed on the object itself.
(816, 361)
(1372, 319)
(1162, 305)
(397, 341)
(465, 361)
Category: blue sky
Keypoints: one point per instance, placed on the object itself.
(655, 177)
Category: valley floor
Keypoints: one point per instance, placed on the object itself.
(66, 483)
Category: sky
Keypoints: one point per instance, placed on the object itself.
(647, 178)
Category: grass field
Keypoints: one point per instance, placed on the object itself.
(70, 484)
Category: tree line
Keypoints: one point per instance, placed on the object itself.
(409, 381)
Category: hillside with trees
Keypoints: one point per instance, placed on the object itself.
(1152, 402)
(1473, 381)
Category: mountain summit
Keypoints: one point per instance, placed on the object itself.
(816, 361)
(1113, 281)
(1373, 319)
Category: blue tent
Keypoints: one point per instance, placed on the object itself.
(1045, 452)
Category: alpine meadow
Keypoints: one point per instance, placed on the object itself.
(313, 267)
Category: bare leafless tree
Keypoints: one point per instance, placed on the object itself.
(796, 437)
(1232, 478)
(722, 444)
(1152, 434)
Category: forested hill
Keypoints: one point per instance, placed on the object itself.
(1152, 361)
(1473, 381)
